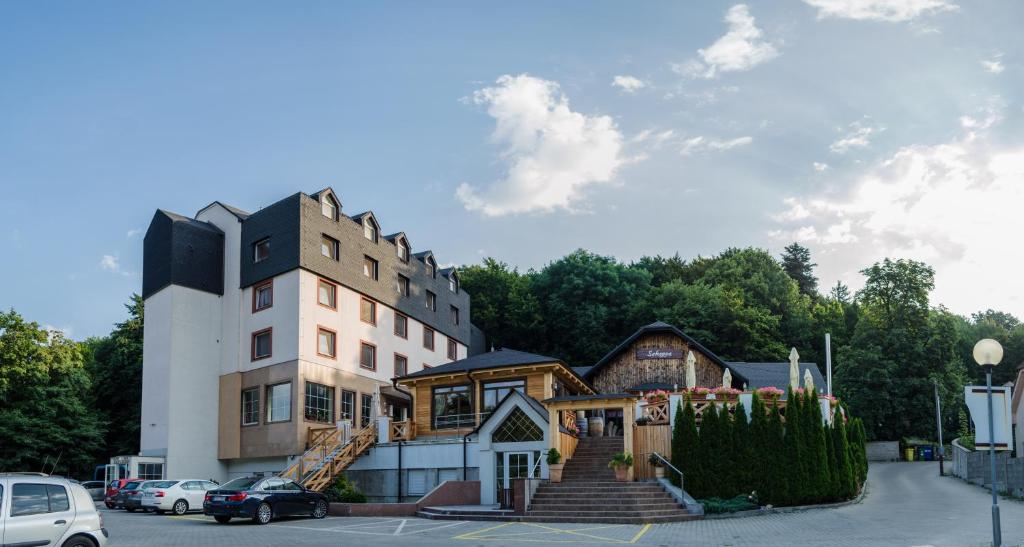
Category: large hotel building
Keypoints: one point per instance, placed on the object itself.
(260, 326)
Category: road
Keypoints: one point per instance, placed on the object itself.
(907, 504)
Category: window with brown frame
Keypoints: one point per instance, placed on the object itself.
(327, 294)
(370, 229)
(431, 301)
(428, 338)
(326, 342)
(263, 295)
(371, 268)
(348, 405)
(251, 406)
(319, 405)
(365, 409)
(455, 315)
(262, 344)
(402, 248)
(367, 355)
(402, 285)
(368, 311)
(401, 365)
(431, 266)
(453, 350)
(329, 246)
(401, 326)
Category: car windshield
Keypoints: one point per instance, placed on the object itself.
(131, 486)
(243, 483)
(160, 484)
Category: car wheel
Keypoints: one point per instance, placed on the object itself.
(180, 507)
(263, 514)
(223, 519)
(320, 509)
(109, 505)
(130, 509)
(79, 541)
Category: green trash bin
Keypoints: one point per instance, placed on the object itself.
(909, 454)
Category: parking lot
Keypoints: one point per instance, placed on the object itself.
(906, 504)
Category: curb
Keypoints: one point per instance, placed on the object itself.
(791, 509)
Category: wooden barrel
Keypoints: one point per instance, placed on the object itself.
(595, 426)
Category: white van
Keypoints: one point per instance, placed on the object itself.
(37, 509)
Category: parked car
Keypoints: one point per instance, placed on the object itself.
(124, 492)
(96, 489)
(263, 498)
(115, 486)
(178, 497)
(131, 498)
(37, 509)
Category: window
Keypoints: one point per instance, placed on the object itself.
(402, 248)
(368, 355)
(453, 407)
(370, 268)
(517, 428)
(401, 325)
(262, 344)
(251, 406)
(35, 499)
(329, 247)
(329, 208)
(453, 350)
(428, 338)
(431, 301)
(326, 342)
(279, 402)
(261, 250)
(365, 409)
(369, 229)
(327, 294)
(263, 296)
(431, 266)
(319, 403)
(494, 392)
(150, 471)
(401, 365)
(453, 283)
(402, 285)
(368, 311)
(454, 312)
(348, 405)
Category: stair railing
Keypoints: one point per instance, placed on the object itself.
(669, 465)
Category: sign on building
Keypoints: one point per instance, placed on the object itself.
(659, 353)
(977, 403)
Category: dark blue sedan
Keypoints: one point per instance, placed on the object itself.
(263, 498)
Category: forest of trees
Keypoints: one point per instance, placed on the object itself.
(891, 343)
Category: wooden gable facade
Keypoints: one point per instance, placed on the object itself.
(656, 354)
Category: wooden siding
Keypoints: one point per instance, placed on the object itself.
(647, 439)
(626, 371)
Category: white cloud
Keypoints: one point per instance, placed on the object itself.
(112, 264)
(629, 84)
(879, 10)
(993, 66)
(741, 48)
(702, 144)
(858, 136)
(133, 232)
(954, 205)
(656, 139)
(820, 167)
(552, 153)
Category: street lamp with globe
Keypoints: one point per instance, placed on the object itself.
(988, 353)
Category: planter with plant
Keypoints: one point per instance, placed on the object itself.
(659, 469)
(621, 463)
(555, 465)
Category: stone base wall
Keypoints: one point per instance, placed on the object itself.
(883, 451)
(976, 468)
(381, 485)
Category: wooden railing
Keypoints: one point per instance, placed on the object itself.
(567, 445)
(316, 435)
(402, 431)
(656, 413)
(317, 467)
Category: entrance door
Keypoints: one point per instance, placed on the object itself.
(518, 465)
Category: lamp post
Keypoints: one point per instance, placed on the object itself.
(988, 353)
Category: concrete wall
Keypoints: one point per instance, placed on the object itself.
(375, 473)
(883, 451)
(975, 467)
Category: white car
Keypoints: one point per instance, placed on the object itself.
(37, 509)
(178, 497)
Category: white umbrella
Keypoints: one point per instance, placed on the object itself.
(727, 379)
(691, 371)
(808, 380)
(794, 369)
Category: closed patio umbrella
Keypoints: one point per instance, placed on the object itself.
(691, 372)
(794, 369)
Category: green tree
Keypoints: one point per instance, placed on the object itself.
(743, 455)
(662, 269)
(44, 416)
(796, 261)
(816, 450)
(727, 462)
(794, 448)
(846, 475)
(835, 487)
(115, 365)
(684, 446)
(504, 305)
(782, 471)
(709, 453)
(761, 449)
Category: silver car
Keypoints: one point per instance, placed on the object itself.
(38, 509)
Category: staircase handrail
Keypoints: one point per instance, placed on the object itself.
(340, 458)
(296, 471)
(669, 465)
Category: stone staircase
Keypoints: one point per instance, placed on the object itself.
(589, 492)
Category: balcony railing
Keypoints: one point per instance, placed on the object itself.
(459, 421)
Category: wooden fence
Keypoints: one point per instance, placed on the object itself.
(567, 445)
(647, 439)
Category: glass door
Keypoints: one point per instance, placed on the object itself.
(518, 465)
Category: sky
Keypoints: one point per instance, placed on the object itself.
(863, 129)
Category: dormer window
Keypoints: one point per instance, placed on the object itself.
(402, 247)
(369, 229)
(431, 267)
(329, 207)
(453, 283)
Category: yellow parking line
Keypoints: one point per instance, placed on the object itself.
(465, 536)
(641, 533)
(200, 519)
(571, 532)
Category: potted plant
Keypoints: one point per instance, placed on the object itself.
(659, 471)
(621, 463)
(555, 465)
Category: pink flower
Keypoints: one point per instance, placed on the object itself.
(770, 392)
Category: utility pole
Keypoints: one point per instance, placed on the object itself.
(938, 425)
(828, 362)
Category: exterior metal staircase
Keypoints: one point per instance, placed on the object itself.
(328, 456)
